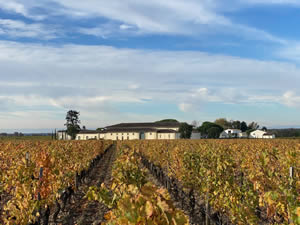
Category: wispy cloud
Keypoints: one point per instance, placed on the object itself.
(97, 79)
(169, 17)
(19, 7)
(16, 28)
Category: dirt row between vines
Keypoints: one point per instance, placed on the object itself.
(79, 210)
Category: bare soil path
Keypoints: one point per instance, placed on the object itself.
(80, 210)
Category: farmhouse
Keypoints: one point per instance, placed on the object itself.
(136, 131)
(129, 131)
(261, 134)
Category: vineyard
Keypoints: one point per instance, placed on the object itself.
(154, 182)
(34, 174)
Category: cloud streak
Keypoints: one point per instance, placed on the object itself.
(98, 80)
(126, 18)
(16, 29)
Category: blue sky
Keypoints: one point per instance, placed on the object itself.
(130, 61)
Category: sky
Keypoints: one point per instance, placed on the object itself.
(142, 61)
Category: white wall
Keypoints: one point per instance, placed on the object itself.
(166, 136)
(150, 135)
(269, 136)
(124, 136)
(257, 134)
(63, 136)
(87, 136)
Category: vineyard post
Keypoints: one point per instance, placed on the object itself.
(291, 185)
(291, 172)
(27, 157)
(40, 178)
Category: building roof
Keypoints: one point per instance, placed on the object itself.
(166, 131)
(146, 125)
(90, 132)
(129, 130)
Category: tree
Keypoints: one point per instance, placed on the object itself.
(236, 124)
(185, 130)
(72, 123)
(206, 126)
(253, 126)
(223, 123)
(244, 126)
(264, 128)
(214, 132)
(167, 120)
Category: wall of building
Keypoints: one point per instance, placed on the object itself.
(122, 136)
(87, 136)
(166, 136)
(269, 136)
(150, 135)
(63, 136)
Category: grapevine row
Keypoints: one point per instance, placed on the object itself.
(35, 174)
(132, 198)
(246, 180)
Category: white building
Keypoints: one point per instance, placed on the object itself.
(131, 131)
(261, 134)
(62, 135)
(231, 133)
(269, 136)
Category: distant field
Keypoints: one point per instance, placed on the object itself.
(33, 138)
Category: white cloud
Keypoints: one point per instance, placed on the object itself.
(97, 79)
(19, 8)
(290, 98)
(171, 17)
(16, 28)
(290, 52)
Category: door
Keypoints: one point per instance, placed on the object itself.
(142, 136)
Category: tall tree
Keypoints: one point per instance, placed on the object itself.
(244, 126)
(204, 128)
(253, 126)
(223, 122)
(214, 132)
(236, 124)
(185, 130)
(72, 123)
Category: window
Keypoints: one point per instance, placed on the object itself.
(127, 137)
(127, 133)
(132, 133)
(122, 134)
(95, 137)
(150, 133)
(78, 137)
(87, 137)
(111, 134)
